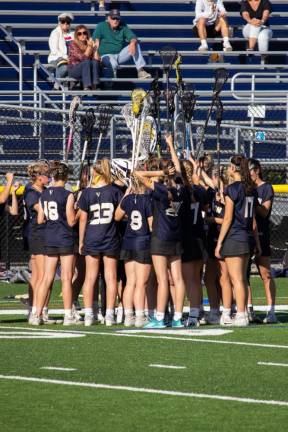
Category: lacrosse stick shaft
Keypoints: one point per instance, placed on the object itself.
(82, 162)
(98, 148)
(202, 138)
(190, 134)
(69, 142)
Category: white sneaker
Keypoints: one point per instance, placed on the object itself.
(119, 316)
(270, 318)
(129, 321)
(227, 46)
(142, 74)
(47, 320)
(213, 318)
(192, 322)
(225, 320)
(203, 47)
(110, 321)
(140, 321)
(35, 320)
(71, 320)
(240, 321)
(89, 320)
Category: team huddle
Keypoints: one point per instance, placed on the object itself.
(152, 237)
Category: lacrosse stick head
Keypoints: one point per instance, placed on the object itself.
(188, 104)
(121, 169)
(127, 113)
(72, 110)
(137, 97)
(105, 114)
(168, 56)
(170, 95)
(176, 66)
(88, 121)
(155, 88)
(221, 76)
(148, 138)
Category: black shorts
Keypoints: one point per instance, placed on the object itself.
(165, 248)
(232, 247)
(92, 252)
(211, 32)
(50, 250)
(193, 250)
(210, 248)
(25, 244)
(36, 247)
(141, 256)
(265, 245)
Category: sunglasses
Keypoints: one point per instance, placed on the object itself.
(115, 18)
(84, 33)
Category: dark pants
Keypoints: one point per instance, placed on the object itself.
(87, 71)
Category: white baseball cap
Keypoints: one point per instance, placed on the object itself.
(64, 15)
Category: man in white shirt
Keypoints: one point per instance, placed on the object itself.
(210, 21)
(59, 40)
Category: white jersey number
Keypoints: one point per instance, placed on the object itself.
(102, 213)
(249, 202)
(51, 210)
(195, 208)
(136, 220)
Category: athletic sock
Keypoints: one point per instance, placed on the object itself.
(204, 42)
(226, 311)
(177, 316)
(225, 39)
(110, 312)
(68, 312)
(194, 312)
(88, 311)
(160, 316)
(241, 315)
(45, 310)
(128, 312)
(139, 313)
(33, 310)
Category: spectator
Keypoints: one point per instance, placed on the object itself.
(81, 65)
(59, 39)
(210, 21)
(256, 13)
(111, 38)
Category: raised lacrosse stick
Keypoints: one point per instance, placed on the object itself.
(221, 76)
(105, 114)
(168, 56)
(72, 119)
(121, 169)
(139, 145)
(155, 94)
(188, 103)
(138, 97)
(88, 122)
(219, 116)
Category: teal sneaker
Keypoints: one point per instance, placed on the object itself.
(177, 324)
(155, 324)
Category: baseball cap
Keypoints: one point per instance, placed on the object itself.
(114, 13)
(66, 15)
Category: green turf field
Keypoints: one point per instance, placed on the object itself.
(111, 384)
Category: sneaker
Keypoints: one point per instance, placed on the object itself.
(35, 320)
(225, 320)
(192, 322)
(270, 318)
(177, 324)
(71, 320)
(213, 318)
(141, 321)
(227, 46)
(89, 320)
(142, 74)
(110, 321)
(47, 320)
(240, 321)
(155, 324)
(119, 316)
(203, 48)
(76, 305)
(253, 318)
(78, 317)
(129, 321)
(202, 318)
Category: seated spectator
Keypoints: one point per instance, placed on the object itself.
(59, 39)
(82, 66)
(210, 21)
(111, 39)
(101, 5)
(256, 13)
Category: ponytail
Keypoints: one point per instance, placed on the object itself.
(59, 170)
(242, 166)
(102, 168)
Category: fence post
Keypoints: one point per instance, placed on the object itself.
(112, 138)
(7, 245)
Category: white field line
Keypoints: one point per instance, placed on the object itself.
(147, 336)
(167, 366)
(146, 390)
(58, 368)
(278, 308)
(272, 364)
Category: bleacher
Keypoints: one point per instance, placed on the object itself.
(26, 25)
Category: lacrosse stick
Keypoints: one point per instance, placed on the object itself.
(88, 122)
(171, 107)
(144, 113)
(168, 56)
(138, 97)
(221, 76)
(121, 169)
(188, 103)
(155, 94)
(105, 114)
(72, 119)
(219, 116)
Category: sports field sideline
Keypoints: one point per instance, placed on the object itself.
(99, 379)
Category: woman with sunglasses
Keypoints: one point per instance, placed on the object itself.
(81, 65)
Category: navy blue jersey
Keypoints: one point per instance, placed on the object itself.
(57, 231)
(216, 210)
(167, 207)
(121, 225)
(100, 204)
(192, 215)
(242, 223)
(31, 228)
(138, 208)
(264, 193)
